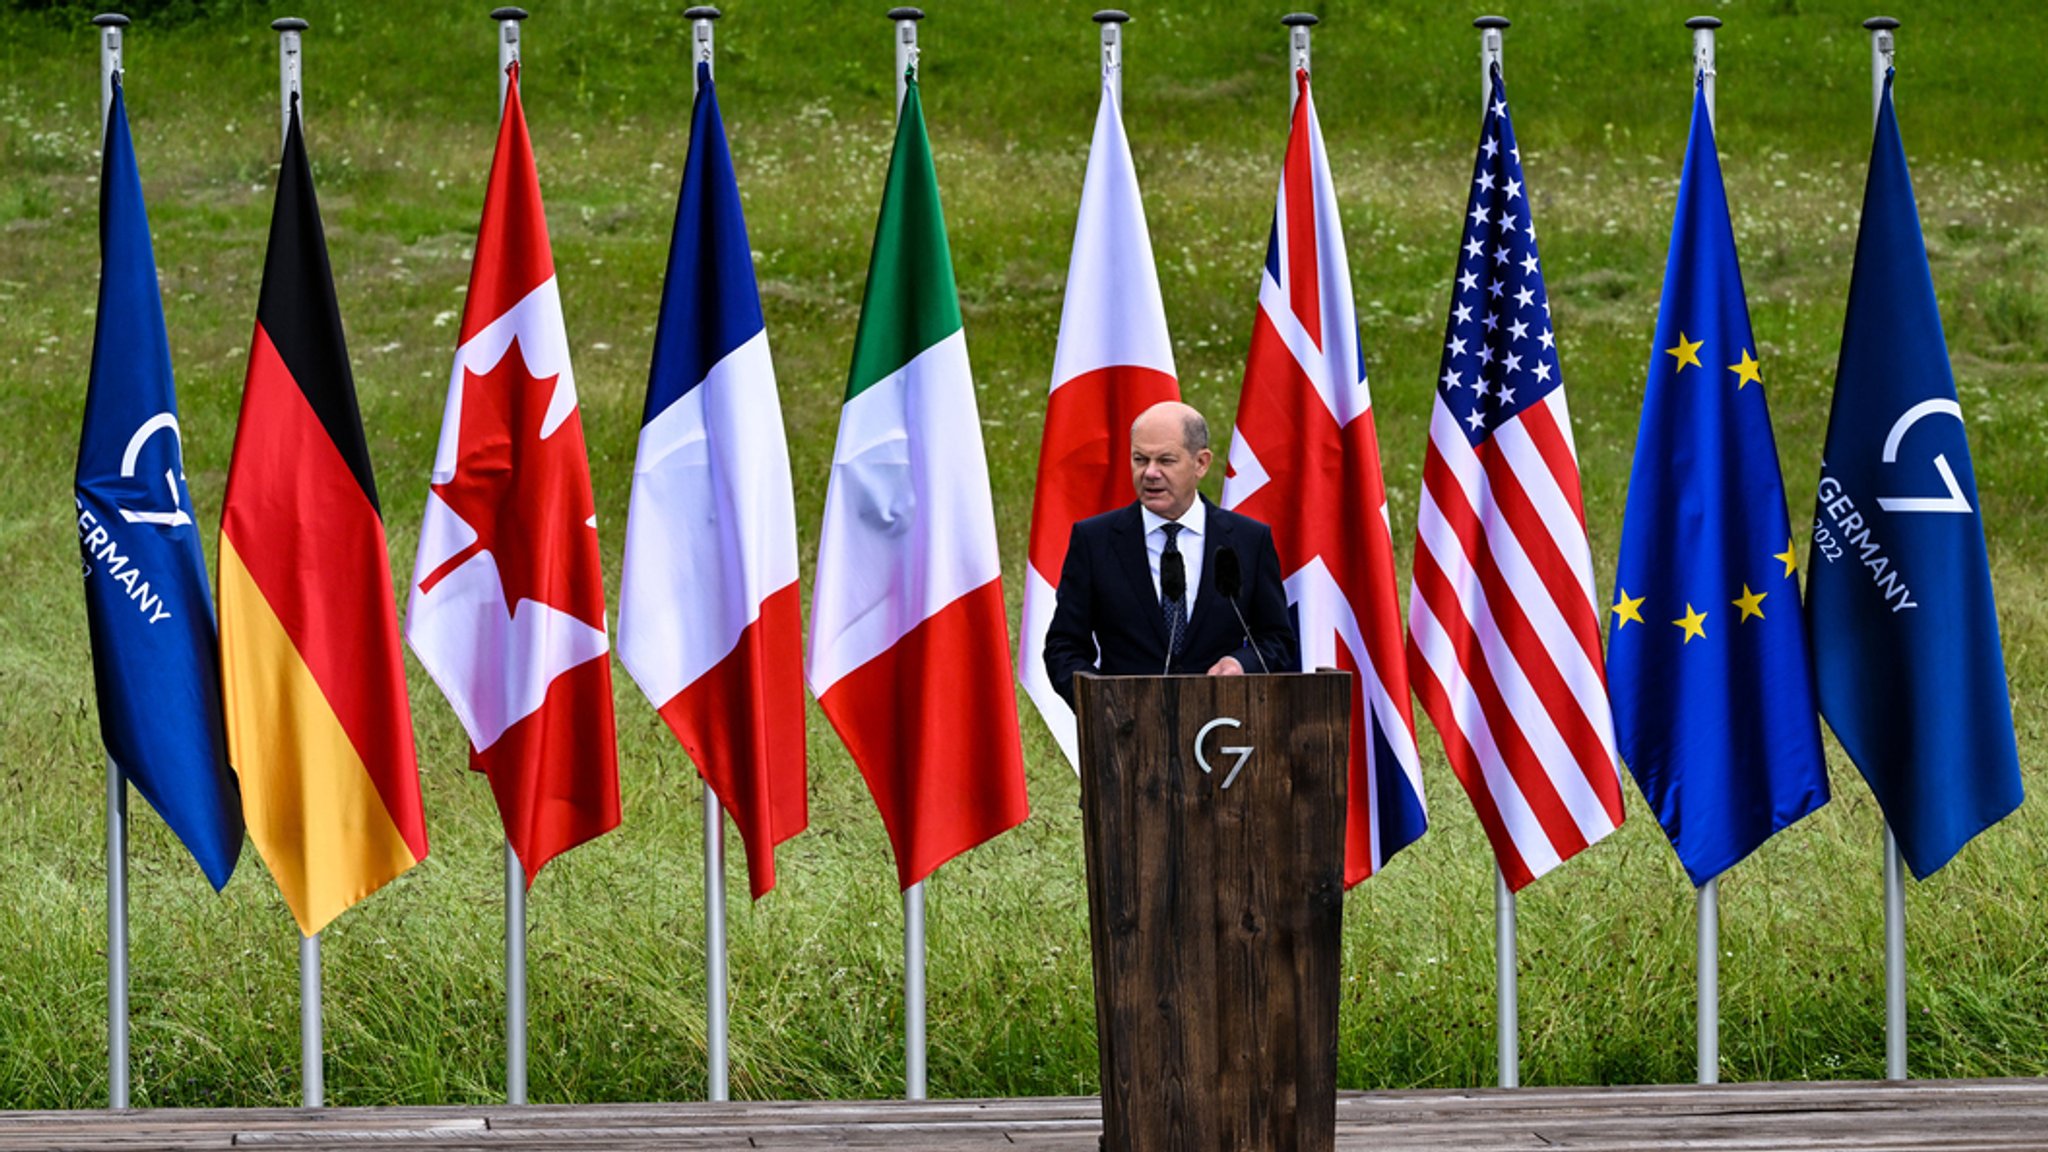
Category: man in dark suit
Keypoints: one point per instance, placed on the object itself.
(1113, 615)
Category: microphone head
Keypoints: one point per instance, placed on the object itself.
(1229, 577)
(1173, 576)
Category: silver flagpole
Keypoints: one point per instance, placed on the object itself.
(717, 1027)
(110, 25)
(1298, 25)
(1508, 1007)
(906, 20)
(508, 47)
(312, 1046)
(289, 71)
(1507, 1011)
(117, 925)
(312, 1051)
(1707, 901)
(1113, 21)
(1883, 30)
(515, 876)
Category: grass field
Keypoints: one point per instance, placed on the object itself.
(400, 115)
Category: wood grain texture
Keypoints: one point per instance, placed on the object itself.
(1215, 912)
(1921, 1116)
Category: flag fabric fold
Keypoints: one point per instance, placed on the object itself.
(1305, 459)
(312, 668)
(1503, 635)
(1707, 664)
(1906, 648)
(507, 608)
(909, 646)
(155, 664)
(708, 614)
(1113, 361)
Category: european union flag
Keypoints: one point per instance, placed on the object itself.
(154, 653)
(1905, 633)
(1706, 658)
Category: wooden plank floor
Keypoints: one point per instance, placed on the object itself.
(1980, 1116)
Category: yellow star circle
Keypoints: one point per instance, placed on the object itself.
(1791, 560)
(1626, 608)
(1751, 603)
(1747, 372)
(1687, 352)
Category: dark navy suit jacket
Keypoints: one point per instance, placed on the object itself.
(1107, 605)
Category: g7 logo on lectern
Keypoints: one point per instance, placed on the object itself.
(1242, 751)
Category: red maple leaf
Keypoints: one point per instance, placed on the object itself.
(525, 495)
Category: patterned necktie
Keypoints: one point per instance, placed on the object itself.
(1175, 608)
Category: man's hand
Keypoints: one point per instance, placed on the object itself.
(1228, 666)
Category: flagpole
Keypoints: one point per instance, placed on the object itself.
(1298, 26)
(906, 20)
(1883, 30)
(1507, 1021)
(312, 1046)
(717, 1027)
(117, 917)
(508, 47)
(515, 876)
(1707, 900)
(110, 25)
(1113, 21)
(288, 73)
(1703, 56)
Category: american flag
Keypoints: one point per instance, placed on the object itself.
(1503, 632)
(1305, 460)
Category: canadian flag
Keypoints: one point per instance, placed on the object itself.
(507, 603)
(1114, 361)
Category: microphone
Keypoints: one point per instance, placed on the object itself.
(1173, 585)
(1230, 581)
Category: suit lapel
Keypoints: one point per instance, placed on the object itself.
(1208, 602)
(1129, 543)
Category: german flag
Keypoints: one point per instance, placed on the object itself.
(312, 672)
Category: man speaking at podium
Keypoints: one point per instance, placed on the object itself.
(1170, 584)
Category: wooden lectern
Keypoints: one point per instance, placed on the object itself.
(1215, 823)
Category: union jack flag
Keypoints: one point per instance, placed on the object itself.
(1503, 632)
(1305, 460)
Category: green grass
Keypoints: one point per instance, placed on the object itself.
(400, 102)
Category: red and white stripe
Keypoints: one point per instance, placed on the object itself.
(1114, 361)
(1504, 641)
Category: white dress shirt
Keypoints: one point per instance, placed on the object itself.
(1189, 544)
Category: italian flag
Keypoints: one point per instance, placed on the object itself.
(909, 652)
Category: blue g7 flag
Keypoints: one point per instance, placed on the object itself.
(1905, 633)
(154, 655)
(1706, 650)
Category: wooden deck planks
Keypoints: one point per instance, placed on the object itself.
(1925, 1116)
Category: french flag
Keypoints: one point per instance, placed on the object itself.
(709, 624)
